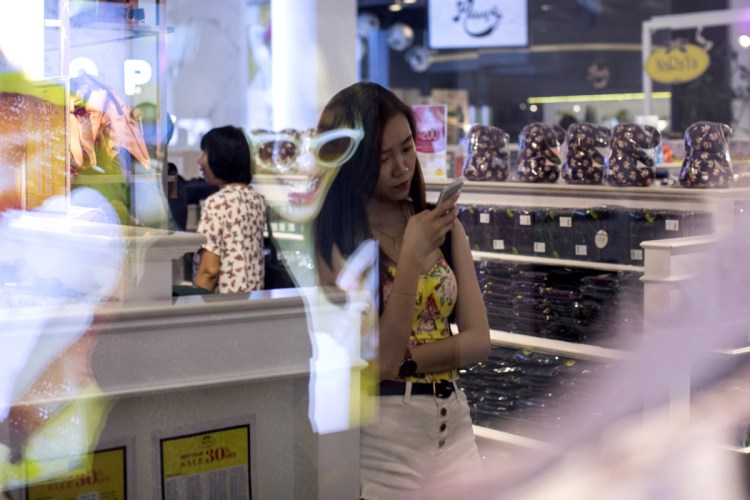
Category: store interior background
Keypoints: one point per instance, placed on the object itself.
(273, 64)
(220, 66)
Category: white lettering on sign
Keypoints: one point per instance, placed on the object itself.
(135, 72)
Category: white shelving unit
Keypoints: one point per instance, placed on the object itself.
(546, 261)
(664, 262)
(569, 349)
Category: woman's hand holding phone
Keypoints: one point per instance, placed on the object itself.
(448, 196)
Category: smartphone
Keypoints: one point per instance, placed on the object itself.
(450, 190)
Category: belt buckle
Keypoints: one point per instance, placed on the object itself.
(438, 389)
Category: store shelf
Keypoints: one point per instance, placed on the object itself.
(744, 451)
(501, 437)
(288, 236)
(114, 32)
(573, 350)
(655, 192)
(529, 259)
(738, 351)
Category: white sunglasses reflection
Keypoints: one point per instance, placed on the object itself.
(281, 152)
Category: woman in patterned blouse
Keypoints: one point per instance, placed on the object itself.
(232, 219)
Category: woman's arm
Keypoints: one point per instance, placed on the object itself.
(210, 224)
(472, 343)
(425, 232)
(208, 271)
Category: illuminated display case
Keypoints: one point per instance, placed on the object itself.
(111, 58)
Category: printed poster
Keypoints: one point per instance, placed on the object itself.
(106, 480)
(214, 464)
(431, 141)
(46, 152)
(33, 158)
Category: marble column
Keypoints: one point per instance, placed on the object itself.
(207, 66)
(314, 56)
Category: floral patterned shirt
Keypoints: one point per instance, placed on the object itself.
(437, 292)
(233, 220)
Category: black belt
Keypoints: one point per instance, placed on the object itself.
(440, 389)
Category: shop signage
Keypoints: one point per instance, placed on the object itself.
(105, 478)
(477, 23)
(135, 72)
(431, 140)
(212, 464)
(678, 63)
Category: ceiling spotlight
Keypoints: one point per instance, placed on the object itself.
(396, 6)
(409, 2)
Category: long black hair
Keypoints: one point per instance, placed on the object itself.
(228, 154)
(343, 219)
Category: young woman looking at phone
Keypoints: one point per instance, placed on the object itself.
(422, 441)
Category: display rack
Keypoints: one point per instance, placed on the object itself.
(127, 57)
(665, 263)
(546, 261)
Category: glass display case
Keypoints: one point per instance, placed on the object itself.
(111, 58)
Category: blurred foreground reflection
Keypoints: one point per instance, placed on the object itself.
(669, 420)
(59, 264)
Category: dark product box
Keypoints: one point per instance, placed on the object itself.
(586, 224)
(484, 227)
(554, 234)
(468, 215)
(676, 224)
(503, 223)
(613, 239)
(544, 232)
(523, 231)
(703, 223)
(643, 227)
(672, 224)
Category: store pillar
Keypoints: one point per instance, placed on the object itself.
(313, 57)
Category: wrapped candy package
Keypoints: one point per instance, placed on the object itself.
(631, 158)
(487, 154)
(538, 152)
(583, 161)
(707, 163)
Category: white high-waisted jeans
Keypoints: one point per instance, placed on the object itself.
(418, 443)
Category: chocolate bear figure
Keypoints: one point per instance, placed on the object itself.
(487, 157)
(707, 163)
(538, 159)
(583, 161)
(629, 163)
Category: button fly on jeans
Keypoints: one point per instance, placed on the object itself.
(442, 427)
(443, 411)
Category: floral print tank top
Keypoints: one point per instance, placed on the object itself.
(437, 292)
